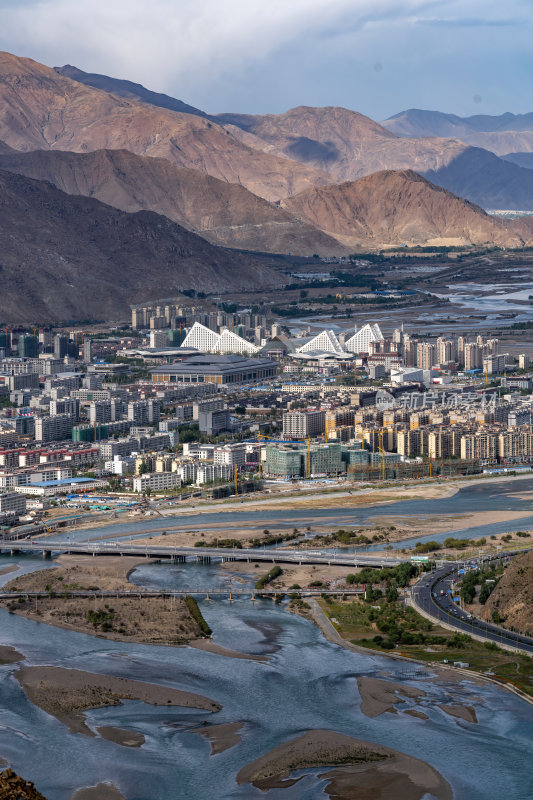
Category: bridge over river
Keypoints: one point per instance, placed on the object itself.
(205, 554)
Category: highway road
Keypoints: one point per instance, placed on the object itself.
(431, 594)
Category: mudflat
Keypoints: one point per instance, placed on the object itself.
(362, 769)
(66, 693)
(468, 713)
(212, 647)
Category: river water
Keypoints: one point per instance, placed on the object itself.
(307, 683)
(495, 496)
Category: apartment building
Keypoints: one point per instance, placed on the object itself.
(54, 429)
(156, 481)
(303, 424)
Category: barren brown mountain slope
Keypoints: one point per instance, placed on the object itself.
(346, 145)
(390, 208)
(349, 145)
(512, 599)
(41, 109)
(124, 88)
(74, 258)
(224, 213)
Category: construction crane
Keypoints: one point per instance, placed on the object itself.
(382, 451)
(236, 478)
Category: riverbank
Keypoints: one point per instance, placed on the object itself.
(347, 495)
(360, 769)
(147, 620)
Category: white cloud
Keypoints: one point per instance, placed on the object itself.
(157, 41)
(261, 55)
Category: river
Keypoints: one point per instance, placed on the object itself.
(307, 683)
(493, 495)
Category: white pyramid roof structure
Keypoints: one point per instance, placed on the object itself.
(207, 341)
(201, 338)
(229, 342)
(326, 341)
(361, 339)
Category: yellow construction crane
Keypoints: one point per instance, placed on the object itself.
(382, 451)
(308, 456)
(236, 478)
(259, 456)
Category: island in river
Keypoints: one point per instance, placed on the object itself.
(148, 620)
(361, 769)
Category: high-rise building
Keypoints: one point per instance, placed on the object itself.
(28, 346)
(144, 412)
(87, 350)
(446, 350)
(60, 346)
(54, 429)
(472, 356)
(426, 355)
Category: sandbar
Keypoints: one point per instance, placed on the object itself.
(211, 647)
(365, 769)
(468, 713)
(414, 713)
(8, 655)
(103, 791)
(121, 736)
(8, 568)
(66, 693)
(222, 737)
(380, 696)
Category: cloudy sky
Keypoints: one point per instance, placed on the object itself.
(376, 56)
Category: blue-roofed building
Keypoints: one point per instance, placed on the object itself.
(62, 486)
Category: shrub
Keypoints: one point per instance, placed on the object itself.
(197, 615)
(271, 575)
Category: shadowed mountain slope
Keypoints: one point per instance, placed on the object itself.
(74, 258)
(224, 213)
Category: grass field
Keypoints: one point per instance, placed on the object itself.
(388, 626)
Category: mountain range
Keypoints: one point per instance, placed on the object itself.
(184, 186)
(503, 134)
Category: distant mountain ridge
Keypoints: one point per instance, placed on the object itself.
(112, 194)
(307, 147)
(43, 110)
(128, 89)
(506, 133)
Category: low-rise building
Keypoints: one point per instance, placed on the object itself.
(156, 481)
